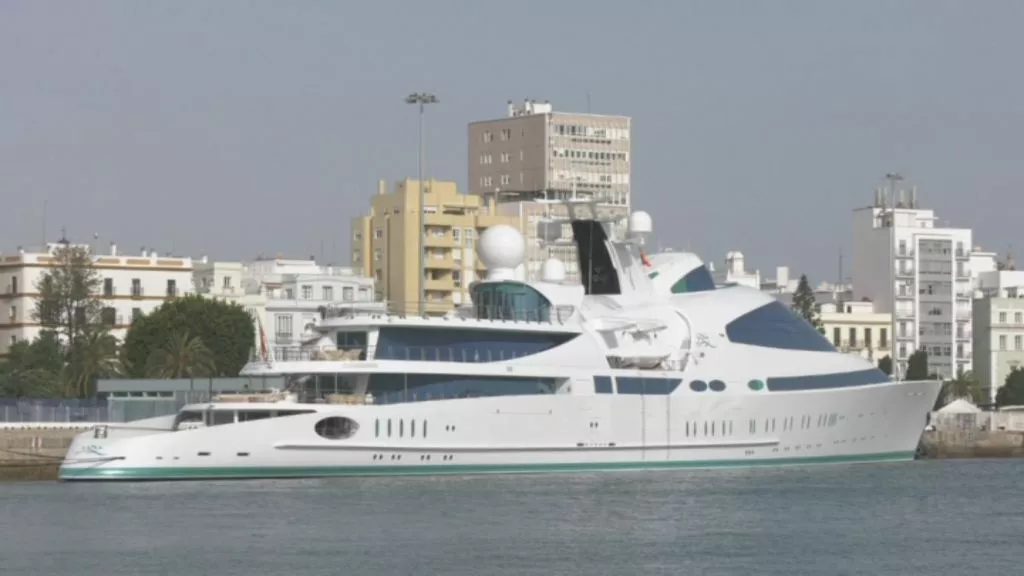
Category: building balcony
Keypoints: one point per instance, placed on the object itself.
(904, 253)
(905, 273)
(963, 255)
(963, 314)
(436, 241)
(966, 335)
(445, 263)
(439, 284)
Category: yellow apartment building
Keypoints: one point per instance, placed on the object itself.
(856, 328)
(387, 242)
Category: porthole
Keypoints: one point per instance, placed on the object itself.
(716, 385)
(755, 385)
(336, 428)
(698, 385)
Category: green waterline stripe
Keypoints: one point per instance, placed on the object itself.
(450, 469)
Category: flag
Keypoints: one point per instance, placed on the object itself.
(264, 352)
(644, 259)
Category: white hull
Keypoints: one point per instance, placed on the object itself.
(520, 434)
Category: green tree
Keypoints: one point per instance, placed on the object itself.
(181, 356)
(966, 385)
(67, 302)
(885, 365)
(1012, 392)
(94, 356)
(917, 366)
(805, 305)
(224, 328)
(34, 369)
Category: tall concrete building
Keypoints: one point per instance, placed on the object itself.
(386, 245)
(911, 266)
(535, 154)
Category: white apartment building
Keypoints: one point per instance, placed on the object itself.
(289, 297)
(998, 327)
(132, 285)
(536, 153)
(919, 271)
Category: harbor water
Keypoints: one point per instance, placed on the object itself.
(931, 518)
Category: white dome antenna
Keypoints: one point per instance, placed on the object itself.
(501, 248)
(553, 271)
(640, 225)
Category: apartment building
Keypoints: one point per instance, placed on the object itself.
(132, 285)
(998, 336)
(917, 269)
(386, 245)
(855, 328)
(535, 153)
(289, 296)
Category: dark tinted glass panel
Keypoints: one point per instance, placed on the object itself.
(649, 386)
(776, 326)
(698, 386)
(392, 388)
(696, 280)
(510, 301)
(716, 385)
(821, 381)
(463, 345)
(597, 274)
(602, 384)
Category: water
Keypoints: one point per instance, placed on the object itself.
(931, 518)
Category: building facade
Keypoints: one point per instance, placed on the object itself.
(290, 297)
(131, 285)
(998, 328)
(386, 245)
(919, 271)
(855, 328)
(534, 154)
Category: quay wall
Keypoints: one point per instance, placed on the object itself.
(34, 451)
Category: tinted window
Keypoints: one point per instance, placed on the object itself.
(597, 274)
(463, 345)
(395, 388)
(697, 280)
(776, 326)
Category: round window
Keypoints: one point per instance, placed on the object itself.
(716, 385)
(336, 428)
(755, 385)
(698, 386)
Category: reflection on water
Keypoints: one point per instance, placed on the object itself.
(929, 518)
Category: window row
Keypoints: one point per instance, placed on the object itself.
(136, 289)
(398, 430)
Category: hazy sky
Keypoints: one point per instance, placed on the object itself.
(238, 128)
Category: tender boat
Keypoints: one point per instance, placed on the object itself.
(644, 364)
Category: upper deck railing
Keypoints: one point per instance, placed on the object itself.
(401, 353)
(443, 311)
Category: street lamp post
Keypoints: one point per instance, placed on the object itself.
(421, 99)
(893, 178)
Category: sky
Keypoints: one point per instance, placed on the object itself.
(233, 129)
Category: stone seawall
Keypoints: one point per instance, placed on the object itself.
(34, 452)
(971, 444)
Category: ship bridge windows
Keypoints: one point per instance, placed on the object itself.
(512, 301)
(776, 326)
(696, 280)
(352, 341)
(463, 344)
(397, 388)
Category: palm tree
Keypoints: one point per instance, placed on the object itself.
(95, 356)
(181, 356)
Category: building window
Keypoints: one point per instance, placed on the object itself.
(505, 179)
(14, 285)
(505, 157)
(108, 286)
(506, 133)
(457, 235)
(307, 292)
(457, 278)
(289, 294)
(1002, 342)
(1018, 343)
(1002, 317)
(172, 288)
(837, 338)
(108, 316)
(283, 325)
(883, 338)
(488, 136)
(227, 283)
(376, 255)
(13, 313)
(853, 337)
(136, 288)
(1018, 317)
(347, 294)
(867, 337)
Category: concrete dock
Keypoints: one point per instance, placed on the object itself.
(34, 451)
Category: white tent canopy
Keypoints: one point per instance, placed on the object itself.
(959, 406)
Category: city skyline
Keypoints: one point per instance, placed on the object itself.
(248, 138)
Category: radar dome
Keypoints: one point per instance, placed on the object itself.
(553, 270)
(501, 247)
(640, 223)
